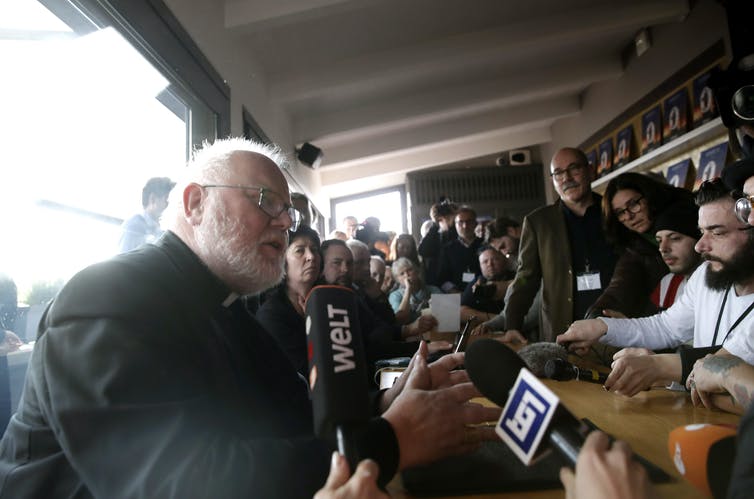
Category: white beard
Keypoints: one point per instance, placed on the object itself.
(227, 248)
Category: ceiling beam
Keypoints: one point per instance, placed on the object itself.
(523, 40)
(478, 97)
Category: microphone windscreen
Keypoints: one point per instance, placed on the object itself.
(536, 355)
(703, 454)
(559, 369)
(493, 368)
(337, 364)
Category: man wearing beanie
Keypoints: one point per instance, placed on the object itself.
(676, 232)
(715, 310)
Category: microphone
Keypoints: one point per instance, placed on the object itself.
(562, 370)
(337, 368)
(531, 411)
(703, 454)
(536, 355)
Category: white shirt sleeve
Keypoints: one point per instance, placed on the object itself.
(668, 329)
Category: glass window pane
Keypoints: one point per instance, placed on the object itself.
(385, 206)
(85, 121)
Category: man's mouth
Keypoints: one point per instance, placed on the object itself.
(277, 244)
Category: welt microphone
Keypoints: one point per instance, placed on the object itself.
(533, 419)
(703, 454)
(337, 368)
(562, 370)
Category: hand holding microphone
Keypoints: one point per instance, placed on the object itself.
(362, 484)
(606, 471)
(582, 334)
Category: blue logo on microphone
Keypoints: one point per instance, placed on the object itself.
(526, 415)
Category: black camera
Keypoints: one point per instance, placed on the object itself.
(734, 95)
(734, 87)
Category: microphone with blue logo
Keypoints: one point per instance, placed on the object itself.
(533, 421)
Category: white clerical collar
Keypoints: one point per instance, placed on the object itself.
(230, 299)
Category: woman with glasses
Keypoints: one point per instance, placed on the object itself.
(630, 207)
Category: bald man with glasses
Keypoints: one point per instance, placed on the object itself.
(562, 247)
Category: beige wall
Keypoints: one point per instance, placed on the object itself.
(673, 46)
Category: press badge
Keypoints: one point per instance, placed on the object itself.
(587, 281)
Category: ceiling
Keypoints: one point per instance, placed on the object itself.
(385, 87)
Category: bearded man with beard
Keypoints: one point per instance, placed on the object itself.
(715, 309)
(150, 379)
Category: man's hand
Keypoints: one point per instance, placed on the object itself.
(632, 352)
(721, 373)
(439, 346)
(363, 483)
(441, 374)
(432, 424)
(630, 375)
(10, 343)
(583, 334)
(480, 329)
(603, 471)
(512, 337)
(425, 323)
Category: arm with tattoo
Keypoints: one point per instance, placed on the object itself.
(722, 373)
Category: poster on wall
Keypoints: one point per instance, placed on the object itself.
(704, 101)
(624, 143)
(651, 130)
(605, 162)
(591, 158)
(676, 115)
(711, 162)
(678, 174)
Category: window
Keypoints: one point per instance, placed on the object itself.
(86, 119)
(389, 205)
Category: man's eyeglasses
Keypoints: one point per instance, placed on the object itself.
(743, 208)
(632, 206)
(270, 202)
(571, 170)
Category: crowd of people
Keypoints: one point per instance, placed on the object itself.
(179, 368)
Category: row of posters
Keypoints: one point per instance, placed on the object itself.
(657, 127)
(711, 162)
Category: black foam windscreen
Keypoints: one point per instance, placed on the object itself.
(337, 363)
(536, 355)
(560, 370)
(493, 368)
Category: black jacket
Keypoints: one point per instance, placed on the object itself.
(144, 384)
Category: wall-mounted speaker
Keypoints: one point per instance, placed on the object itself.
(519, 157)
(310, 155)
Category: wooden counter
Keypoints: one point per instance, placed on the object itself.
(644, 421)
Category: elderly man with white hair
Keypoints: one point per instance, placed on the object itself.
(148, 379)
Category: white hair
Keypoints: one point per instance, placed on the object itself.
(355, 243)
(210, 163)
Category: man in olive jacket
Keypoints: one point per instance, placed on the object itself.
(564, 250)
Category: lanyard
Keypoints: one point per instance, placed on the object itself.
(720, 316)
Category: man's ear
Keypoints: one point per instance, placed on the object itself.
(194, 198)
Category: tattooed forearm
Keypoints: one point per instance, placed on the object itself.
(720, 364)
(742, 395)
